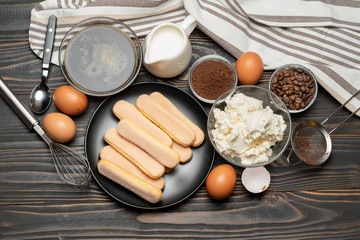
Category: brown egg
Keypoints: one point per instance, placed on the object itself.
(221, 182)
(69, 100)
(59, 127)
(249, 68)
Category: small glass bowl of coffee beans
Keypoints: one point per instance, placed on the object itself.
(295, 85)
(210, 76)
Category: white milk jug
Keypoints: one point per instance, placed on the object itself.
(167, 48)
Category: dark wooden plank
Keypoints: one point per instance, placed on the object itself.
(15, 19)
(302, 202)
(272, 215)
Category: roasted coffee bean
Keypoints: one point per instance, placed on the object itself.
(300, 78)
(288, 81)
(285, 87)
(294, 86)
(292, 98)
(280, 75)
(285, 98)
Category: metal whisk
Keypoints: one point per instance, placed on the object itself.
(72, 167)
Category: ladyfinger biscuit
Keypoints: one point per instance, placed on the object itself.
(168, 105)
(110, 154)
(174, 127)
(185, 153)
(123, 109)
(164, 154)
(129, 181)
(168, 170)
(135, 154)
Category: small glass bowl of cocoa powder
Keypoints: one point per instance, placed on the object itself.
(295, 85)
(210, 76)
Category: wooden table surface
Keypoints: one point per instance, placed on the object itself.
(302, 202)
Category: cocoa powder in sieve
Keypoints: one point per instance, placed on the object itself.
(212, 78)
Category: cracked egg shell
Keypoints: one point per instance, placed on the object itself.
(255, 180)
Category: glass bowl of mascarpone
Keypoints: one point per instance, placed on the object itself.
(100, 56)
(249, 126)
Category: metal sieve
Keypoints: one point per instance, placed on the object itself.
(310, 140)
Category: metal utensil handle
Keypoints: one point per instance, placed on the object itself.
(332, 130)
(340, 124)
(21, 110)
(49, 43)
(288, 159)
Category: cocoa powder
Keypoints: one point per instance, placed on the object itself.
(212, 78)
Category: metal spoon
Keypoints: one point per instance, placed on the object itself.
(40, 97)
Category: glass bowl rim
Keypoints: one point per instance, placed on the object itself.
(138, 50)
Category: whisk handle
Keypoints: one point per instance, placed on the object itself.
(21, 110)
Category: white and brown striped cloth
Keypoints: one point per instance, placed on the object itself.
(323, 35)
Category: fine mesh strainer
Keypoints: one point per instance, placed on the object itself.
(311, 142)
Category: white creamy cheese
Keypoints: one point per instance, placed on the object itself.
(247, 130)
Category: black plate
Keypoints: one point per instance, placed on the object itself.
(184, 180)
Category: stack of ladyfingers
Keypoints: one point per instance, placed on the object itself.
(151, 139)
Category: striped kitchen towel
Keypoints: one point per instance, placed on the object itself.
(324, 36)
(140, 16)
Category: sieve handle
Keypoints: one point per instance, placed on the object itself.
(332, 130)
(288, 159)
(343, 121)
(20, 109)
